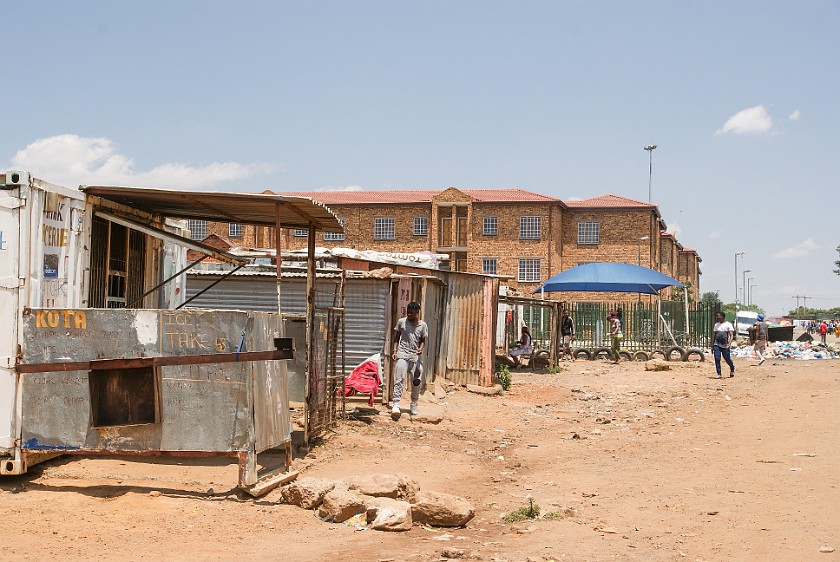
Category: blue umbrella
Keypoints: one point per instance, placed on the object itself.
(609, 278)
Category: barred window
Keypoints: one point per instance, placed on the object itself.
(383, 228)
(198, 229)
(335, 235)
(234, 230)
(529, 270)
(530, 227)
(491, 226)
(301, 232)
(488, 266)
(421, 226)
(589, 232)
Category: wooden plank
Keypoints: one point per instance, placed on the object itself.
(132, 363)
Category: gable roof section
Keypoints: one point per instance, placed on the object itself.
(609, 201)
(377, 197)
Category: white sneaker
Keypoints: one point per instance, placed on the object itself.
(395, 412)
(413, 410)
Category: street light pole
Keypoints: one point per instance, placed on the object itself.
(650, 148)
(736, 279)
(745, 284)
(639, 255)
(751, 289)
(748, 297)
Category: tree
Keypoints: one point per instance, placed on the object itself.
(711, 298)
(678, 295)
(837, 263)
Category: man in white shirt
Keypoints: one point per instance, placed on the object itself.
(723, 334)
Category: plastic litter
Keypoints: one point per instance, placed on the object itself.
(803, 351)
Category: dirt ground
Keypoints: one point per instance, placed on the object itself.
(636, 465)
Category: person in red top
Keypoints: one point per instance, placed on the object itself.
(823, 330)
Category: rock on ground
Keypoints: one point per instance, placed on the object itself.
(341, 504)
(657, 365)
(386, 514)
(396, 486)
(307, 492)
(441, 510)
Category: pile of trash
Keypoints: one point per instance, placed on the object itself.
(791, 350)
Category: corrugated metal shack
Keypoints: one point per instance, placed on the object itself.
(460, 309)
(94, 366)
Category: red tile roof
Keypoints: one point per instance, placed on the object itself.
(419, 196)
(608, 200)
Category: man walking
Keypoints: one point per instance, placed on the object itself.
(723, 335)
(761, 334)
(615, 332)
(410, 335)
(567, 331)
(823, 330)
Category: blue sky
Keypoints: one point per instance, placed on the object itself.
(558, 97)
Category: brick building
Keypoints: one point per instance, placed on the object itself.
(509, 232)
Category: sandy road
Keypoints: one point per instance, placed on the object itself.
(637, 465)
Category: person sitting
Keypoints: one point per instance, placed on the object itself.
(523, 347)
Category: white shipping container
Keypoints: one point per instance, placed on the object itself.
(42, 263)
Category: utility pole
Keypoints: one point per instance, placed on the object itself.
(650, 148)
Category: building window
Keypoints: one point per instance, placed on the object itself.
(529, 270)
(530, 227)
(335, 235)
(301, 232)
(234, 230)
(491, 226)
(383, 228)
(589, 232)
(488, 266)
(421, 226)
(198, 229)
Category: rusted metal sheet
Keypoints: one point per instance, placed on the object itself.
(465, 296)
(488, 319)
(211, 407)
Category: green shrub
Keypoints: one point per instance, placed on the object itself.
(530, 511)
(503, 376)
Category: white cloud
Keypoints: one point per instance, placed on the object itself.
(795, 115)
(753, 120)
(716, 234)
(71, 160)
(801, 249)
(674, 229)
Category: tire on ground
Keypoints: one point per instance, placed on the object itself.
(541, 359)
(582, 353)
(656, 354)
(602, 353)
(695, 351)
(641, 356)
(626, 355)
(680, 354)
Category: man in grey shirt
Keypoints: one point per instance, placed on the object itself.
(410, 335)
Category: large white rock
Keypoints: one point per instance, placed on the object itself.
(386, 514)
(441, 510)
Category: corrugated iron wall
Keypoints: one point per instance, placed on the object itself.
(462, 340)
(364, 313)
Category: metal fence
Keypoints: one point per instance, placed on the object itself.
(645, 325)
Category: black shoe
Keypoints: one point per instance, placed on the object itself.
(732, 374)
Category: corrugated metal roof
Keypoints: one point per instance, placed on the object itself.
(214, 206)
(608, 200)
(512, 195)
(245, 273)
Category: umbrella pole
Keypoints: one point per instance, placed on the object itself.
(658, 319)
